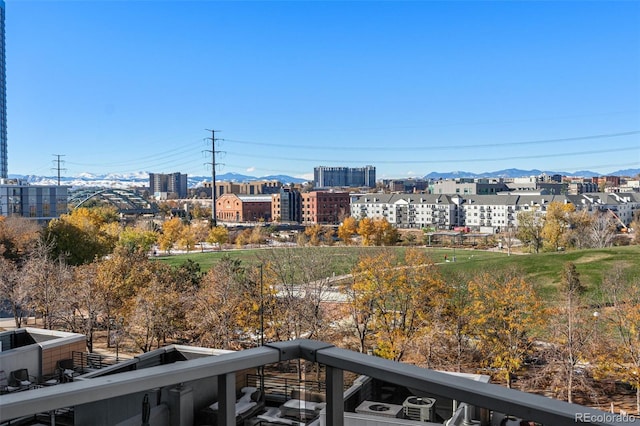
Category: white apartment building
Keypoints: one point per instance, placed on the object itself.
(485, 213)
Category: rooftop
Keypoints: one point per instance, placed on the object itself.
(111, 399)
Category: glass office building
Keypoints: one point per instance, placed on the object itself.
(3, 99)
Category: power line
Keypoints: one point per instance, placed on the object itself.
(447, 147)
(439, 160)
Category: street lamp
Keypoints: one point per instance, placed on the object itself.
(261, 309)
(116, 334)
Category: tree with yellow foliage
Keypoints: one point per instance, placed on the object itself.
(314, 233)
(556, 224)
(187, 239)
(171, 231)
(389, 299)
(347, 229)
(385, 233)
(134, 239)
(217, 315)
(82, 235)
(621, 319)
(506, 311)
(366, 230)
(218, 235)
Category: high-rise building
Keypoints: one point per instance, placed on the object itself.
(327, 177)
(3, 100)
(174, 183)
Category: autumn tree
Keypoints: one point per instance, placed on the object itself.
(48, 280)
(366, 230)
(82, 236)
(530, 225)
(18, 236)
(200, 231)
(578, 234)
(635, 226)
(454, 302)
(505, 312)
(156, 309)
(571, 330)
(187, 239)
(384, 233)
(622, 319)
(171, 232)
(119, 277)
(300, 278)
(389, 298)
(556, 224)
(347, 229)
(137, 238)
(219, 303)
(218, 235)
(13, 290)
(82, 312)
(314, 233)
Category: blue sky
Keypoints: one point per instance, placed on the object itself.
(409, 87)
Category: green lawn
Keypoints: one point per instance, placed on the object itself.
(542, 269)
(344, 257)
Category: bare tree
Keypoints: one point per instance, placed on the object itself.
(48, 280)
(602, 230)
(622, 318)
(572, 329)
(13, 290)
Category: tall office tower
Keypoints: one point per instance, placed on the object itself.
(174, 183)
(327, 177)
(3, 99)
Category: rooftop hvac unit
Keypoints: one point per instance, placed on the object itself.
(379, 409)
(418, 408)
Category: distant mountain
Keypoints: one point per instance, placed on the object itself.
(514, 173)
(140, 179)
(628, 172)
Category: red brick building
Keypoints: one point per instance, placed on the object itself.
(325, 207)
(243, 208)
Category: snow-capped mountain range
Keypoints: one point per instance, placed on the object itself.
(141, 179)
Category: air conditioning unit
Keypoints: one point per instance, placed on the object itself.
(419, 408)
(381, 409)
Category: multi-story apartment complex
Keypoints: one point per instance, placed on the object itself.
(406, 185)
(469, 186)
(245, 188)
(408, 211)
(173, 184)
(488, 213)
(328, 177)
(324, 207)
(42, 202)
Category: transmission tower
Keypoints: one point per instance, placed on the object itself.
(214, 221)
(58, 161)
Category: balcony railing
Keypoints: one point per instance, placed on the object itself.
(549, 412)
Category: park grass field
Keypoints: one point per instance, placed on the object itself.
(344, 257)
(542, 269)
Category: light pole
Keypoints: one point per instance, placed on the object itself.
(261, 368)
(117, 325)
(596, 317)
